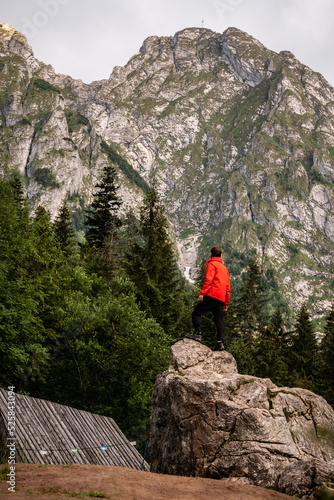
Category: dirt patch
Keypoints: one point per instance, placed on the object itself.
(58, 482)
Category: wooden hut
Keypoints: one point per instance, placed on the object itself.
(50, 433)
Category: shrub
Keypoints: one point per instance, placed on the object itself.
(46, 178)
(40, 84)
(74, 119)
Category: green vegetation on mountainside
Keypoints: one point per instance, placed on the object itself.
(75, 119)
(125, 166)
(38, 84)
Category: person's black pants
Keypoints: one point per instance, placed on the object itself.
(214, 305)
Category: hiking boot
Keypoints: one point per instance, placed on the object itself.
(196, 336)
(219, 346)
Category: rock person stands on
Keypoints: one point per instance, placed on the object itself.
(215, 296)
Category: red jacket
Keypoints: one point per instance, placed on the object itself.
(217, 280)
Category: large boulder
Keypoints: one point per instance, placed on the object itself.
(210, 421)
(307, 479)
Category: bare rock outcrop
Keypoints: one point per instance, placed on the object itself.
(210, 421)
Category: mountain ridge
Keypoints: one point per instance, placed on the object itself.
(239, 139)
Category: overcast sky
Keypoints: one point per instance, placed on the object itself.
(87, 38)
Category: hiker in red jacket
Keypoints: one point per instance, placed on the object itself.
(215, 296)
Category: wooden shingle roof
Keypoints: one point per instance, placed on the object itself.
(50, 433)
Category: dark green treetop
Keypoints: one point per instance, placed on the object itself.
(305, 350)
(64, 230)
(327, 358)
(151, 265)
(251, 302)
(102, 217)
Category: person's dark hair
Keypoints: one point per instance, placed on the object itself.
(216, 251)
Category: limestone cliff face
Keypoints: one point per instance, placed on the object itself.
(239, 139)
(210, 421)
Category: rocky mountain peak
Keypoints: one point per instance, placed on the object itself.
(14, 41)
(191, 49)
(249, 59)
(8, 28)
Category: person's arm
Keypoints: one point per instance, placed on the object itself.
(209, 275)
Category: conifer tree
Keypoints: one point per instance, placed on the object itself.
(45, 236)
(152, 266)
(200, 274)
(103, 223)
(327, 359)
(251, 303)
(130, 231)
(102, 217)
(64, 231)
(49, 264)
(19, 198)
(21, 329)
(248, 319)
(271, 351)
(304, 351)
(276, 321)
